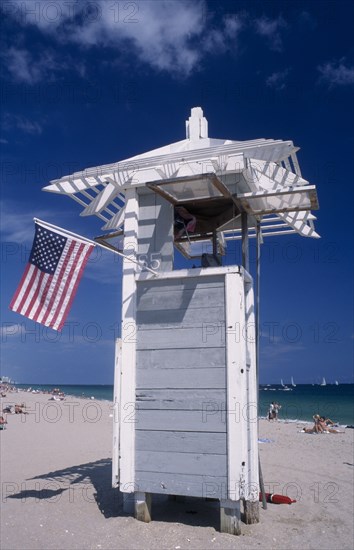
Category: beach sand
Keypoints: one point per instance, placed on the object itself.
(56, 487)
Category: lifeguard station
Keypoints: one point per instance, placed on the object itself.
(186, 387)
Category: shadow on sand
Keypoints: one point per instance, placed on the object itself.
(96, 477)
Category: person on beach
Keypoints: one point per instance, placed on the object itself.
(320, 426)
(276, 409)
(19, 409)
(325, 424)
(326, 421)
(316, 428)
(3, 423)
(271, 411)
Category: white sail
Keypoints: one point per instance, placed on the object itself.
(323, 383)
(293, 383)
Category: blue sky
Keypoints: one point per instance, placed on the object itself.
(89, 83)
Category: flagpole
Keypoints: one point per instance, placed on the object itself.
(90, 241)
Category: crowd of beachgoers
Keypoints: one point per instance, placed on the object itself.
(20, 408)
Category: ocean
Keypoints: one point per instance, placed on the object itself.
(300, 403)
(305, 400)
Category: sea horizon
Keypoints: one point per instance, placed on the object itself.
(298, 403)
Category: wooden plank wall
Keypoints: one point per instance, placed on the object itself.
(180, 429)
(155, 237)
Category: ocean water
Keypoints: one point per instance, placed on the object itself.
(100, 392)
(301, 403)
(305, 400)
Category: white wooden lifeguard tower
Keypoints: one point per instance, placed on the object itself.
(186, 386)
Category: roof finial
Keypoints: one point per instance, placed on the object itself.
(196, 125)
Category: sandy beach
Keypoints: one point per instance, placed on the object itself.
(56, 487)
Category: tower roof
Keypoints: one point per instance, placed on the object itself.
(263, 177)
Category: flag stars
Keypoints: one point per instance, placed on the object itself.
(47, 250)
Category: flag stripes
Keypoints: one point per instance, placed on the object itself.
(50, 281)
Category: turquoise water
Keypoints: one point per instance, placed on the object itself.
(305, 400)
(100, 392)
(335, 402)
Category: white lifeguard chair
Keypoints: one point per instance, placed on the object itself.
(186, 387)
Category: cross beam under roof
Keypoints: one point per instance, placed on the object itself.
(259, 168)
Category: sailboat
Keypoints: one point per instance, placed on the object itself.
(336, 383)
(293, 383)
(285, 388)
(323, 383)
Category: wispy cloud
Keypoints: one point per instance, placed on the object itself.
(18, 122)
(306, 19)
(170, 36)
(18, 226)
(271, 30)
(18, 63)
(218, 40)
(336, 73)
(277, 80)
(24, 66)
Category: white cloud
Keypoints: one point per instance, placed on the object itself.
(9, 122)
(270, 29)
(168, 35)
(18, 226)
(18, 64)
(23, 66)
(277, 80)
(220, 39)
(337, 73)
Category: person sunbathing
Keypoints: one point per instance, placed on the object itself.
(317, 428)
(313, 430)
(325, 424)
(19, 409)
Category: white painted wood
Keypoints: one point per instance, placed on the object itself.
(179, 399)
(110, 191)
(235, 386)
(182, 484)
(209, 377)
(180, 300)
(212, 419)
(195, 273)
(127, 428)
(251, 412)
(180, 318)
(273, 150)
(196, 155)
(195, 358)
(182, 280)
(155, 238)
(116, 221)
(116, 412)
(181, 463)
(182, 442)
(205, 335)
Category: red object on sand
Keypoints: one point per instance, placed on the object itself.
(277, 499)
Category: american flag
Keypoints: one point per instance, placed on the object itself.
(49, 283)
